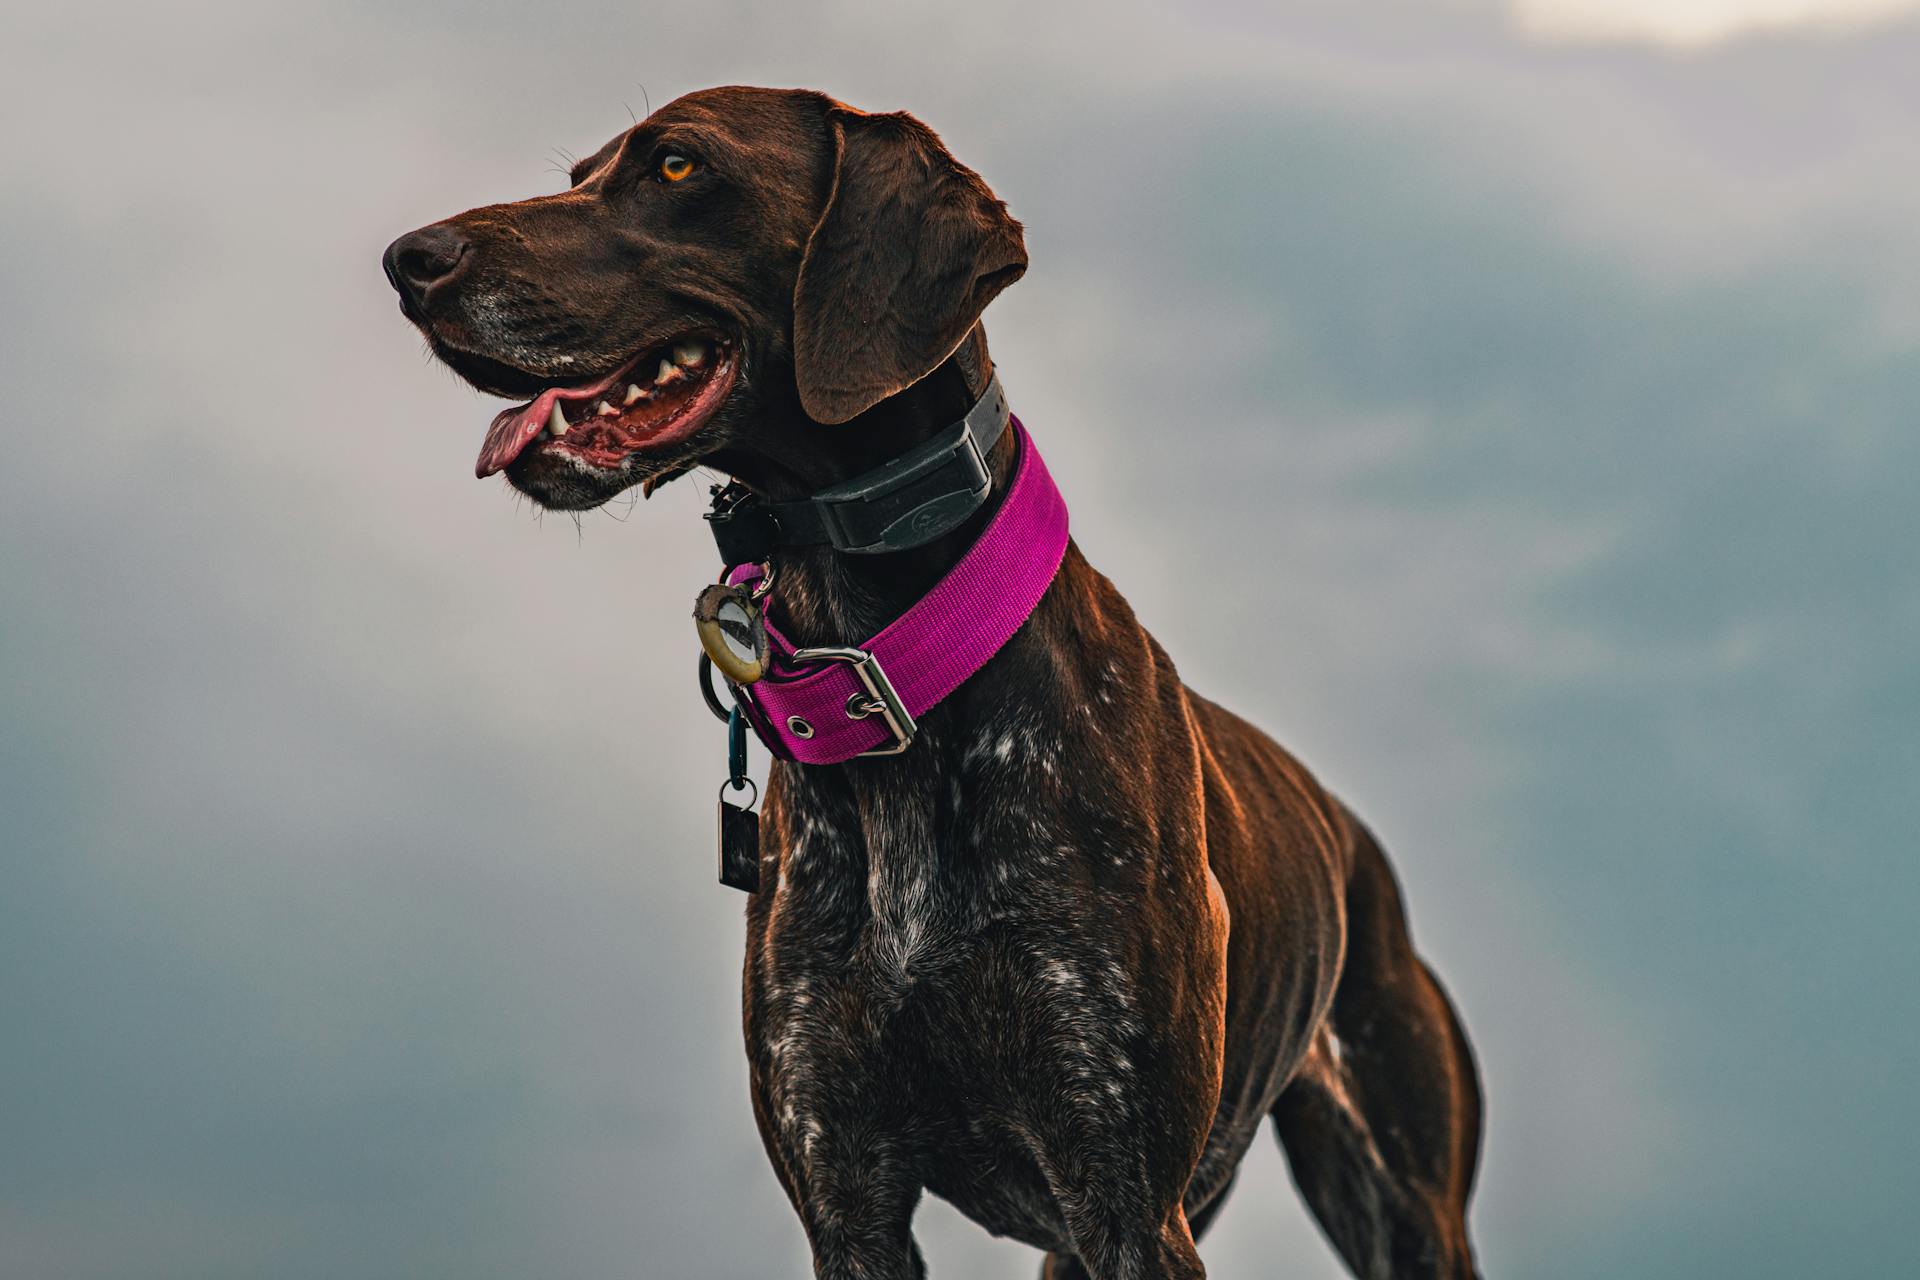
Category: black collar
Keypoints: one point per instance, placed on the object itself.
(902, 503)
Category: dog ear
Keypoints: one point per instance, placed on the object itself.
(910, 249)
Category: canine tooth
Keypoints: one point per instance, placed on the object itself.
(604, 409)
(633, 393)
(556, 421)
(689, 353)
(667, 372)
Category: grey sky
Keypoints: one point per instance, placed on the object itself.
(1540, 413)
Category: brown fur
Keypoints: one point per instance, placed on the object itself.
(1059, 960)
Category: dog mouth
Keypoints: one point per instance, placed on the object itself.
(655, 400)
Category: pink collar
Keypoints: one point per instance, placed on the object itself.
(829, 705)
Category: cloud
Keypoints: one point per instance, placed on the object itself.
(1696, 23)
(1523, 435)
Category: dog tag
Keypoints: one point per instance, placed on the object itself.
(732, 632)
(739, 843)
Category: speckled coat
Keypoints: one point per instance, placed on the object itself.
(1059, 960)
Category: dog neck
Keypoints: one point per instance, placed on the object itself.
(826, 597)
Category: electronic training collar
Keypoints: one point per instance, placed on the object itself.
(904, 503)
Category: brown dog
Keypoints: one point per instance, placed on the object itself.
(1058, 960)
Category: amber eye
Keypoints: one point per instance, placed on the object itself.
(673, 168)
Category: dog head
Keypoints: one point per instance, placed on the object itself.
(718, 282)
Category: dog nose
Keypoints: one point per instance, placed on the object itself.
(419, 260)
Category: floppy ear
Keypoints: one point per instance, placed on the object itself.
(909, 251)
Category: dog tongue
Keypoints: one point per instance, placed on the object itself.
(512, 431)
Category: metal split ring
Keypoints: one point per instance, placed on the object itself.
(759, 589)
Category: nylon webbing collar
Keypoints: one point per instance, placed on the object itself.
(903, 503)
(829, 705)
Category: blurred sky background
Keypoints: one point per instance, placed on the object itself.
(1508, 403)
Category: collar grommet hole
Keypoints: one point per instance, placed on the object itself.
(799, 727)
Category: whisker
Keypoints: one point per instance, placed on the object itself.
(632, 500)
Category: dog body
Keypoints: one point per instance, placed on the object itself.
(1057, 961)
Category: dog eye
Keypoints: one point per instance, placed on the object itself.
(675, 167)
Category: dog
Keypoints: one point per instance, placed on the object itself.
(1057, 960)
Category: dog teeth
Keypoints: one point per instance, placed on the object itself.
(605, 410)
(633, 393)
(689, 353)
(667, 373)
(556, 421)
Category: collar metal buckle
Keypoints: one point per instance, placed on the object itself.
(881, 700)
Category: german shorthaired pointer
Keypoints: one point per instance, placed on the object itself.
(1056, 960)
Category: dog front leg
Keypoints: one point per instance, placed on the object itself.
(855, 1188)
(857, 1204)
(1117, 1158)
(1124, 1252)
(867, 1246)
(1123, 1082)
